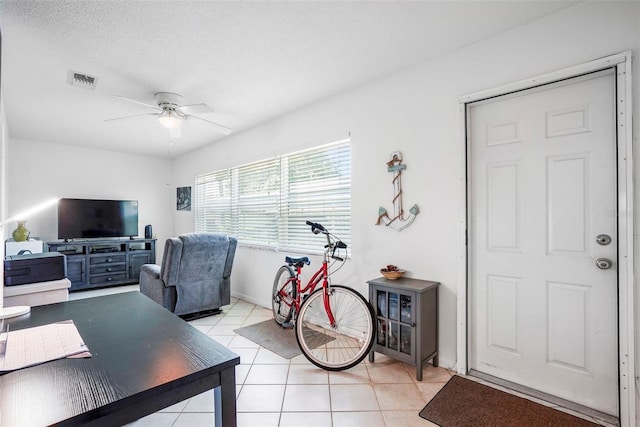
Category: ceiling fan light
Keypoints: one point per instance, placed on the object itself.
(170, 120)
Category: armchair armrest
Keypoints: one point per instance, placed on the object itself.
(150, 271)
(150, 283)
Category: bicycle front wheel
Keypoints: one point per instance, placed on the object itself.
(338, 347)
(283, 294)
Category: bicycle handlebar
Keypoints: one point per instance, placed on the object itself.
(316, 227)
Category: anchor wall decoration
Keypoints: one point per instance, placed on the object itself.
(398, 222)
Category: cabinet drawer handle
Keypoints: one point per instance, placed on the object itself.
(109, 269)
(109, 279)
(108, 259)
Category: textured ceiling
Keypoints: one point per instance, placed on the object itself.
(250, 61)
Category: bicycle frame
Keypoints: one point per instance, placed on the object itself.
(321, 275)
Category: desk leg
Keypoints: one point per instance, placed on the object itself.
(225, 399)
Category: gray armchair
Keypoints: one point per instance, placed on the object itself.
(194, 279)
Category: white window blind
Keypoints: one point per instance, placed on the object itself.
(268, 202)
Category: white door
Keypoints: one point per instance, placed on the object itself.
(542, 188)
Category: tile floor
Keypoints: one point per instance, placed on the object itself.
(273, 391)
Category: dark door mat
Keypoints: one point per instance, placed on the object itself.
(463, 402)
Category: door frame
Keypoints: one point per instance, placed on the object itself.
(624, 161)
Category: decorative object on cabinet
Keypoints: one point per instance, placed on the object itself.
(21, 234)
(406, 312)
(398, 222)
(392, 272)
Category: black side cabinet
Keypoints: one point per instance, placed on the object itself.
(406, 312)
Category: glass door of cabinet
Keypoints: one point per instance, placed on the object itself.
(394, 313)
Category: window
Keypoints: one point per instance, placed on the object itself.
(267, 203)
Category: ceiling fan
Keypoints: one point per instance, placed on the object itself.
(172, 112)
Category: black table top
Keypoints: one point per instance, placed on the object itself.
(144, 359)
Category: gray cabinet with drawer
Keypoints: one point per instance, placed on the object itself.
(99, 263)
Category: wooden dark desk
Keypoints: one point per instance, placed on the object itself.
(144, 359)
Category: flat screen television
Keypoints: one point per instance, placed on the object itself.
(89, 218)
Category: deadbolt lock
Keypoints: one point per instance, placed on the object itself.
(604, 263)
(603, 239)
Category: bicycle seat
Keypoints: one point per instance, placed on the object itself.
(297, 261)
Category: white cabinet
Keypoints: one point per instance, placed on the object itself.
(33, 245)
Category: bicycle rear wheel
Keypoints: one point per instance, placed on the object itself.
(340, 347)
(283, 294)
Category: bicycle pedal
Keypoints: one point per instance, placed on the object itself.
(287, 325)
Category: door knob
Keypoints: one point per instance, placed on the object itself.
(603, 239)
(604, 263)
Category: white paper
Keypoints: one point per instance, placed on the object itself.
(32, 346)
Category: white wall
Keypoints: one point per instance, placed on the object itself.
(416, 112)
(38, 171)
(3, 189)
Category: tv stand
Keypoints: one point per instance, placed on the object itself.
(104, 262)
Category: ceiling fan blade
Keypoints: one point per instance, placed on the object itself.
(175, 133)
(155, 107)
(221, 128)
(130, 117)
(196, 109)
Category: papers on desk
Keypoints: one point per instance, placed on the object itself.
(32, 346)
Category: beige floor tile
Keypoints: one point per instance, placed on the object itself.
(358, 419)
(432, 374)
(240, 311)
(258, 419)
(306, 419)
(301, 360)
(260, 398)
(306, 398)
(380, 358)
(405, 419)
(429, 390)
(388, 373)
(241, 342)
(178, 407)
(241, 373)
(267, 374)
(222, 339)
(356, 375)
(232, 320)
(159, 419)
(204, 402)
(261, 311)
(268, 357)
(209, 320)
(399, 397)
(307, 374)
(353, 397)
(187, 419)
(247, 355)
(223, 330)
(253, 319)
(243, 305)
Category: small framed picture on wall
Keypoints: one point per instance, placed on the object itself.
(183, 198)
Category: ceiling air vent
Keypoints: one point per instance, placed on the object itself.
(81, 80)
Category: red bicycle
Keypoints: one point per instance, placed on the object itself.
(334, 324)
